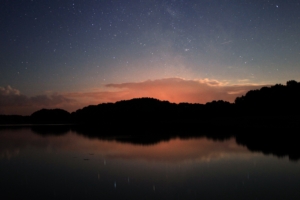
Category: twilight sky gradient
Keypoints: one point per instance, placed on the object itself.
(72, 53)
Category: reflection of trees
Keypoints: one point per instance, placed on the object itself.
(257, 139)
(14, 119)
(149, 132)
(50, 129)
(273, 144)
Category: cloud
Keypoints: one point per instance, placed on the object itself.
(180, 90)
(13, 102)
(171, 89)
(8, 90)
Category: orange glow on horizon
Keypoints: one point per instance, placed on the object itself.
(174, 90)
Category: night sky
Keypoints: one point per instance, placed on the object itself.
(72, 53)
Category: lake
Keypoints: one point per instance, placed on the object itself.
(73, 166)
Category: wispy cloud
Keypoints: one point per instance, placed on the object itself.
(8, 90)
(13, 102)
(172, 89)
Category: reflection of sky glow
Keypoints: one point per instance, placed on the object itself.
(175, 150)
(75, 167)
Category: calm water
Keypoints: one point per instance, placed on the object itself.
(72, 166)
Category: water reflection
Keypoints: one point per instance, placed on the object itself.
(280, 145)
(73, 166)
(173, 150)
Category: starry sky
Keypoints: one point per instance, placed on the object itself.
(72, 53)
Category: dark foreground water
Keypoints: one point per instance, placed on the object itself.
(72, 166)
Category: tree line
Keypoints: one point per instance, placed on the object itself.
(274, 101)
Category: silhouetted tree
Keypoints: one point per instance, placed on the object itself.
(14, 119)
(292, 83)
(50, 116)
(276, 100)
